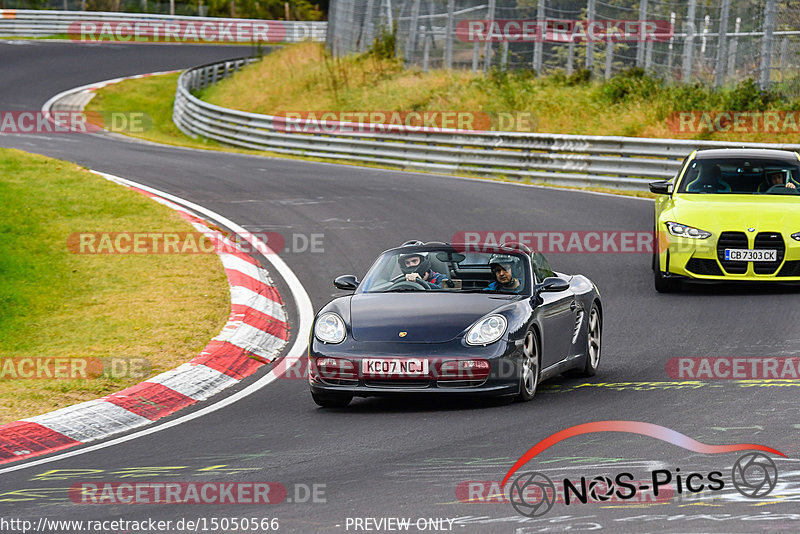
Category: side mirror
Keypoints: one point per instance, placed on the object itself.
(661, 188)
(553, 284)
(348, 282)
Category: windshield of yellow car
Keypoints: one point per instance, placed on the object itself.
(748, 176)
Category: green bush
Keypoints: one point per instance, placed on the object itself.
(747, 96)
(631, 84)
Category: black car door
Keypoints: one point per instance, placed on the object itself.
(558, 312)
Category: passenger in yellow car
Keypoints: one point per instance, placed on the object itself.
(709, 180)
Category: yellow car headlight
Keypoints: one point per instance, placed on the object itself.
(682, 230)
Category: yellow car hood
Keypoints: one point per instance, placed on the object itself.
(725, 212)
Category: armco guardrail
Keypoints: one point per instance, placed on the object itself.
(39, 23)
(576, 160)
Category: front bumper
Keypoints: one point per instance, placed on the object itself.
(503, 377)
(704, 259)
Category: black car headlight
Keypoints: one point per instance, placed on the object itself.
(682, 230)
(796, 236)
(487, 330)
(330, 328)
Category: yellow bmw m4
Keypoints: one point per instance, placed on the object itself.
(729, 214)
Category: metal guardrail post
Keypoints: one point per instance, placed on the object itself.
(734, 44)
(719, 70)
(449, 33)
(537, 46)
(766, 44)
(487, 50)
(411, 42)
(688, 43)
(640, 46)
(589, 42)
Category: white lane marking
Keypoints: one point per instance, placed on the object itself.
(254, 340)
(248, 297)
(229, 261)
(305, 312)
(90, 420)
(195, 381)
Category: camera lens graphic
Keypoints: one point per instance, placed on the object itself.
(754, 475)
(601, 488)
(532, 494)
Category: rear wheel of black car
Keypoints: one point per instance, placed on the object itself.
(594, 333)
(529, 380)
(331, 400)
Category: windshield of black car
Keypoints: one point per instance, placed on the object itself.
(447, 270)
(748, 176)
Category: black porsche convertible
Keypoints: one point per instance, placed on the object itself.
(441, 318)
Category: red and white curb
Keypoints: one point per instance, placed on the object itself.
(256, 332)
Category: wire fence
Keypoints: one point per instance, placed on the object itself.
(707, 41)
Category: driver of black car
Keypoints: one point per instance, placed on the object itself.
(504, 269)
(416, 267)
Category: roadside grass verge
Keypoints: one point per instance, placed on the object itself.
(58, 304)
(154, 96)
(304, 77)
(148, 98)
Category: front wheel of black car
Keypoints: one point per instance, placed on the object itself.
(594, 334)
(331, 400)
(529, 380)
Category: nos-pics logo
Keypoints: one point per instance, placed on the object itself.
(533, 494)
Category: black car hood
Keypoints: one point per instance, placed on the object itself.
(429, 317)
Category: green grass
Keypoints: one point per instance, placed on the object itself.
(56, 303)
(303, 77)
(154, 96)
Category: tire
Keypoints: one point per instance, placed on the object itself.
(664, 284)
(331, 400)
(531, 368)
(594, 335)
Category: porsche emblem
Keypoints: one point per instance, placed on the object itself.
(403, 334)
